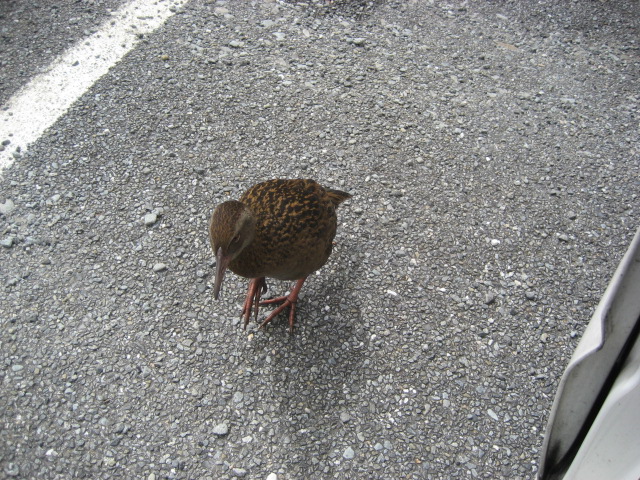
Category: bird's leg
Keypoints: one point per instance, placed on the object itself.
(257, 286)
(287, 301)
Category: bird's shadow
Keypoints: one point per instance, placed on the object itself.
(321, 363)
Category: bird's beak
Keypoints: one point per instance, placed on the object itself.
(222, 262)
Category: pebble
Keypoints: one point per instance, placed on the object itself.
(221, 429)
(563, 237)
(530, 294)
(345, 417)
(239, 472)
(489, 298)
(11, 470)
(7, 207)
(495, 242)
(236, 44)
(7, 242)
(159, 267)
(272, 476)
(492, 414)
(150, 219)
(349, 453)
(237, 397)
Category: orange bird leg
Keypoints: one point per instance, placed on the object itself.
(288, 301)
(257, 286)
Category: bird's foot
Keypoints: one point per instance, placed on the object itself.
(286, 301)
(257, 286)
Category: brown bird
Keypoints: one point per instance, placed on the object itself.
(281, 229)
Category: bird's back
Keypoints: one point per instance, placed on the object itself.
(295, 225)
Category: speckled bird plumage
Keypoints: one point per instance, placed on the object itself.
(282, 229)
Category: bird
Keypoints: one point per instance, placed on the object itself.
(280, 228)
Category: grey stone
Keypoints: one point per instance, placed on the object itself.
(348, 453)
(7, 207)
(150, 219)
(7, 242)
(221, 429)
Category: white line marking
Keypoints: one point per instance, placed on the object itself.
(36, 106)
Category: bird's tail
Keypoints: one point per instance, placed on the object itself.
(337, 196)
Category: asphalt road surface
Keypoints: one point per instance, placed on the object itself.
(492, 151)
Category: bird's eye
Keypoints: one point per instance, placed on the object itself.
(235, 239)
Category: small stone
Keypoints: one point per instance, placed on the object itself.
(530, 294)
(16, 368)
(236, 44)
(563, 237)
(221, 429)
(489, 298)
(345, 417)
(108, 461)
(11, 469)
(159, 267)
(150, 219)
(152, 476)
(7, 207)
(239, 472)
(7, 242)
(495, 242)
(572, 215)
(492, 414)
(272, 476)
(358, 42)
(544, 337)
(267, 23)
(247, 439)
(237, 397)
(349, 453)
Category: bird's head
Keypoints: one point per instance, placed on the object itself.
(231, 229)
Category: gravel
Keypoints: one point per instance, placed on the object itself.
(35, 32)
(491, 150)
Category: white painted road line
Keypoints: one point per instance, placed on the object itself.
(49, 95)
